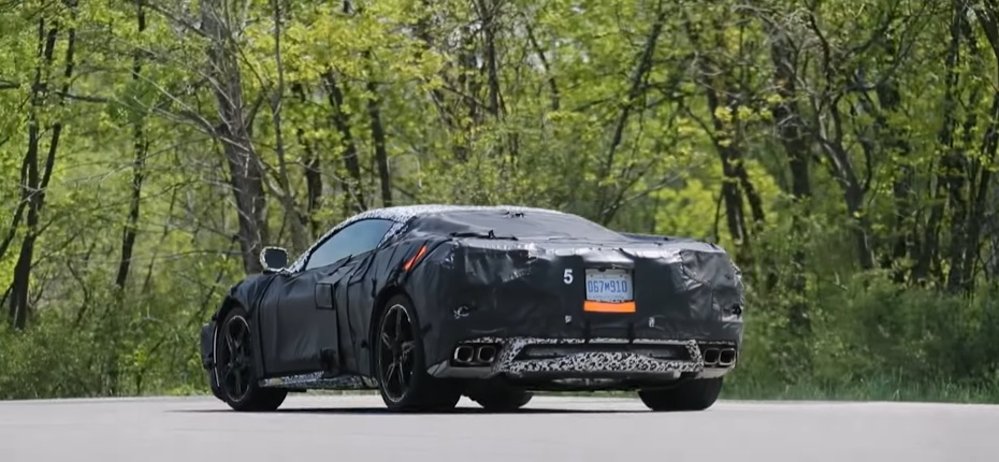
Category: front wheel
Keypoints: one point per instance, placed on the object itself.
(234, 380)
(400, 365)
(695, 395)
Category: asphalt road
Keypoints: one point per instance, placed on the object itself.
(357, 428)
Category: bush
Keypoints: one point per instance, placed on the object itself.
(872, 339)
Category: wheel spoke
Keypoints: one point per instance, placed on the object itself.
(239, 381)
(402, 378)
(240, 335)
(230, 342)
(407, 348)
(398, 324)
(235, 334)
(393, 368)
(386, 340)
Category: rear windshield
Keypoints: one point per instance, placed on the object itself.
(515, 223)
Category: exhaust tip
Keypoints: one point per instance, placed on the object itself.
(464, 354)
(486, 354)
(711, 356)
(727, 357)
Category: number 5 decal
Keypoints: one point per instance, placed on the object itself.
(567, 276)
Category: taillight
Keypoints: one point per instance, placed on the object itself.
(409, 264)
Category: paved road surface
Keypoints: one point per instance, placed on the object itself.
(356, 428)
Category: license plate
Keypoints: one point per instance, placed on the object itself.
(609, 286)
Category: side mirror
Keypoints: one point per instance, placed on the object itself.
(273, 259)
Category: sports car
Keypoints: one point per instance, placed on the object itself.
(429, 303)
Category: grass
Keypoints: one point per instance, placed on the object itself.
(877, 388)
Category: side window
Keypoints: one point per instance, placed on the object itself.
(356, 238)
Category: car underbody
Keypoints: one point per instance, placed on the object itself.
(554, 364)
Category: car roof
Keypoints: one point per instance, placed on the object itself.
(401, 215)
(404, 213)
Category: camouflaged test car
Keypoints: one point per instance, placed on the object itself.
(426, 303)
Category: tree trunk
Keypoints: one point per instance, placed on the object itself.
(790, 132)
(488, 15)
(988, 18)
(841, 168)
(735, 178)
(961, 175)
(37, 176)
(293, 217)
(23, 200)
(720, 93)
(635, 90)
(930, 250)
(21, 206)
(140, 146)
(378, 135)
(313, 188)
(540, 52)
(351, 186)
(312, 170)
(245, 171)
(902, 192)
(854, 196)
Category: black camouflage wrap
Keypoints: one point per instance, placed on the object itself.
(495, 275)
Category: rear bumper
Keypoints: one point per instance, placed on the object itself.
(530, 292)
(600, 361)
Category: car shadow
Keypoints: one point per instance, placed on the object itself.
(386, 412)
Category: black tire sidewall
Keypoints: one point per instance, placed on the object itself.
(255, 398)
(424, 392)
(695, 395)
(218, 345)
(503, 400)
(418, 359)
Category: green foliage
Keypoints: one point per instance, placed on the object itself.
(874, 340)
(876, 279)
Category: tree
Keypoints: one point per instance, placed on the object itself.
(47, 92)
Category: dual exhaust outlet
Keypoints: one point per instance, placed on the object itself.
(722, 357)
(475, 355)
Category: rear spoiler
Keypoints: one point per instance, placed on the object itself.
(656, 238)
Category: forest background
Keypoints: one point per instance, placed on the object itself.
(844, 151)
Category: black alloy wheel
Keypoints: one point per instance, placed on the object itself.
(396, 352)
(234, 374)
(234, 360)
(400, 365)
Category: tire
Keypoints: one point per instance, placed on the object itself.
(233, 378)
(695, 395)
(400, 364)
(216, 391)
(499, 398)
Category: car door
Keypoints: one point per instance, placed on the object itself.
(302, 331)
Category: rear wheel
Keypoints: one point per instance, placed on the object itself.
(235, 381)
(498, 397)
(695, 395)
(400, 364)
